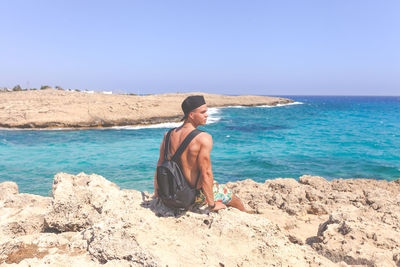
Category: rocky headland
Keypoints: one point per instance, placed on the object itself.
(52, 108)
(90, 221)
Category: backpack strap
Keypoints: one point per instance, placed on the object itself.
(184, 144)
(166, 144)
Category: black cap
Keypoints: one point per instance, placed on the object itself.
(191, 103)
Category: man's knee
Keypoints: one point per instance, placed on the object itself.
(235, 199)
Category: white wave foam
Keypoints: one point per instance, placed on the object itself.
(267, 106)
(212, 118)
(213, 115)
(159, 125)
(281, 105)
(237, 107)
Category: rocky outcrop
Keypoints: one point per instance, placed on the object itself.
(8, 189)
(355, 221)
(80, 201)
(20, 214)
(65, 109)
(89, 221)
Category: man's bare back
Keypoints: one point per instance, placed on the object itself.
(190, 157)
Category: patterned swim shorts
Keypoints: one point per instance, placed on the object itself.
(221, 194)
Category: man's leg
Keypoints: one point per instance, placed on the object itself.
(225, 195)
(237, 203)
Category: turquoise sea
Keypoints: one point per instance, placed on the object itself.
(333, 137)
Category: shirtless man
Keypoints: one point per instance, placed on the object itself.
(195, 158)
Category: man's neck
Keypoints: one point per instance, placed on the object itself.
(188, 125)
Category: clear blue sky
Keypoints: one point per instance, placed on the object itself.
(345, 47)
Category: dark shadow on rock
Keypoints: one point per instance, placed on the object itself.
(50, 230)
(314, 239)
(295, 240)
(160, 210)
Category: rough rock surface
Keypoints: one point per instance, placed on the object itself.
(80, 201)
(66, 109)
(356, 221)
(20, 214)
(313, 222)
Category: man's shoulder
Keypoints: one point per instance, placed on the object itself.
(204, 138)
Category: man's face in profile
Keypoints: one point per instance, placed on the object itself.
(199, 115)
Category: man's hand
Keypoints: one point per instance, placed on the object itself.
(218, 206)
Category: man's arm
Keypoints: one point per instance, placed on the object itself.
(204, 162)
(160, 160)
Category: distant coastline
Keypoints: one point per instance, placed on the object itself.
(59, 109)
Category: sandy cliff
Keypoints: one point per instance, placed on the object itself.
(66, 109)
(89, 221)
